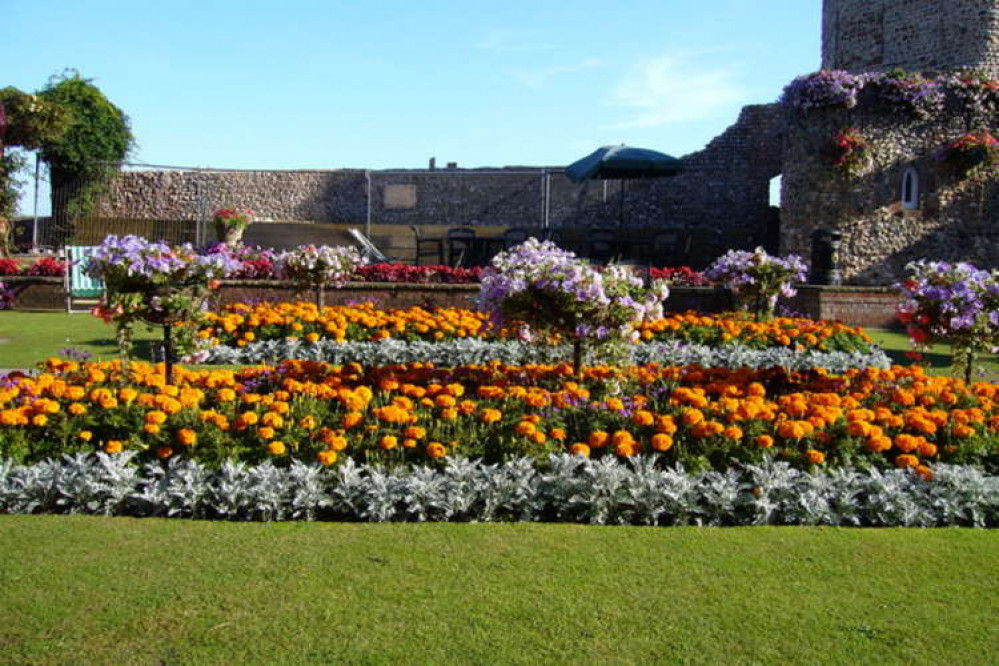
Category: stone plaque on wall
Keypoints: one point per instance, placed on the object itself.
(400, 196)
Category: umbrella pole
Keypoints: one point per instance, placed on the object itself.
(620, 215)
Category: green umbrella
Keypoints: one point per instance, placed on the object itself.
(623, 163)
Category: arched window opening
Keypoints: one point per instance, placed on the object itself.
(910, 189)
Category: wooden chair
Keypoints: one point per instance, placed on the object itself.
(460, 246)
(514, 236)
(601, 245)
(427, 247)
(80, 288)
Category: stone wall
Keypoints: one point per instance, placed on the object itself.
(869, 35)
(725, 187)
(955, 219)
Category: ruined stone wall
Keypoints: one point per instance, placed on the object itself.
(921, 35)
(956, 219)
(725, 187)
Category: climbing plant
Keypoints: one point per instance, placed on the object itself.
(98, 136)
(26, 122)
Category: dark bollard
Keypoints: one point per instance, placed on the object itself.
(825, 257)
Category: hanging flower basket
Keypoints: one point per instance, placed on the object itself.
(973, 155)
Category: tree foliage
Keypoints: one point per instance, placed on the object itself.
(98, 133)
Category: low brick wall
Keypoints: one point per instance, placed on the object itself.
(872, 307)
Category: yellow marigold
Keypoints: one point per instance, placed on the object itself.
(436, 450)
(449, 414)
(643, 417)
(187, 437)
(113, 446)
(597, 439)
(622, 437)
(151, 429)
(878, 444)
(538, 437)
(77, 409)
(39, 420)
(85, 435)
(905, 460)
(815, 457)
(925, 472)
(733, 433)
(691, 416)
(490, 415)
(961, 431)
(665, 424)
(415, 432)
(409, 443)
(156, 417)
(327, 457)
(266, 432)
(558, 433)
(580, 449)
(272, 419)
(624, 449)
(525, 428)
(927, 450)
(351, 419)
(388, 442)
(276, 448)
(662, 442)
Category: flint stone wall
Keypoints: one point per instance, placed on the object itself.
(725, 187)
(920, 35)
(956, 219)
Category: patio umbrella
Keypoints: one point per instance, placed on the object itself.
(623, 163)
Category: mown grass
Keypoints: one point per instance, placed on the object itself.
(92, 590)
(27, 338)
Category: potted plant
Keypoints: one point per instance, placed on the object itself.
(230, 223)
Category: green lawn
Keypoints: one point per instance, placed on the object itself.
(92, 590)
(27, 338)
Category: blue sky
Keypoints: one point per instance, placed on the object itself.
(386, 83)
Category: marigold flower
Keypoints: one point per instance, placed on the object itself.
(662, 442)
(327, 457)
(764, 441)
(580, 449)
(276, 448)
(436, 450)
(351, 419)
(905, 460)
(164, 452)
(388, 442)
(490, 415)
(624, 449)
(815, 457)
(187, 437)
(597, 439)
(85, 435)
(113, 446)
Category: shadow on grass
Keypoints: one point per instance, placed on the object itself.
(928, 360)
(142, 350)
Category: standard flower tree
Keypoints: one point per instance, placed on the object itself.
(549, 290)
(158, 284)
(953, 303)
(757, 279)
(317, 268)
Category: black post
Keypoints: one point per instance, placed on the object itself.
(825, 257)
(168, 351)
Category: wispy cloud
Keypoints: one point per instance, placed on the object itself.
(540, 78)
(514, 41)
(674, 88)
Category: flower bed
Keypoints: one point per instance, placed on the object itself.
(43, 267)
(695, 417)
(242, 324)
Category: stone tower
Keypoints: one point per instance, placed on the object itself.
(917, 35)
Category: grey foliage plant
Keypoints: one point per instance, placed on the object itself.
(473, 351)
(565, 489)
